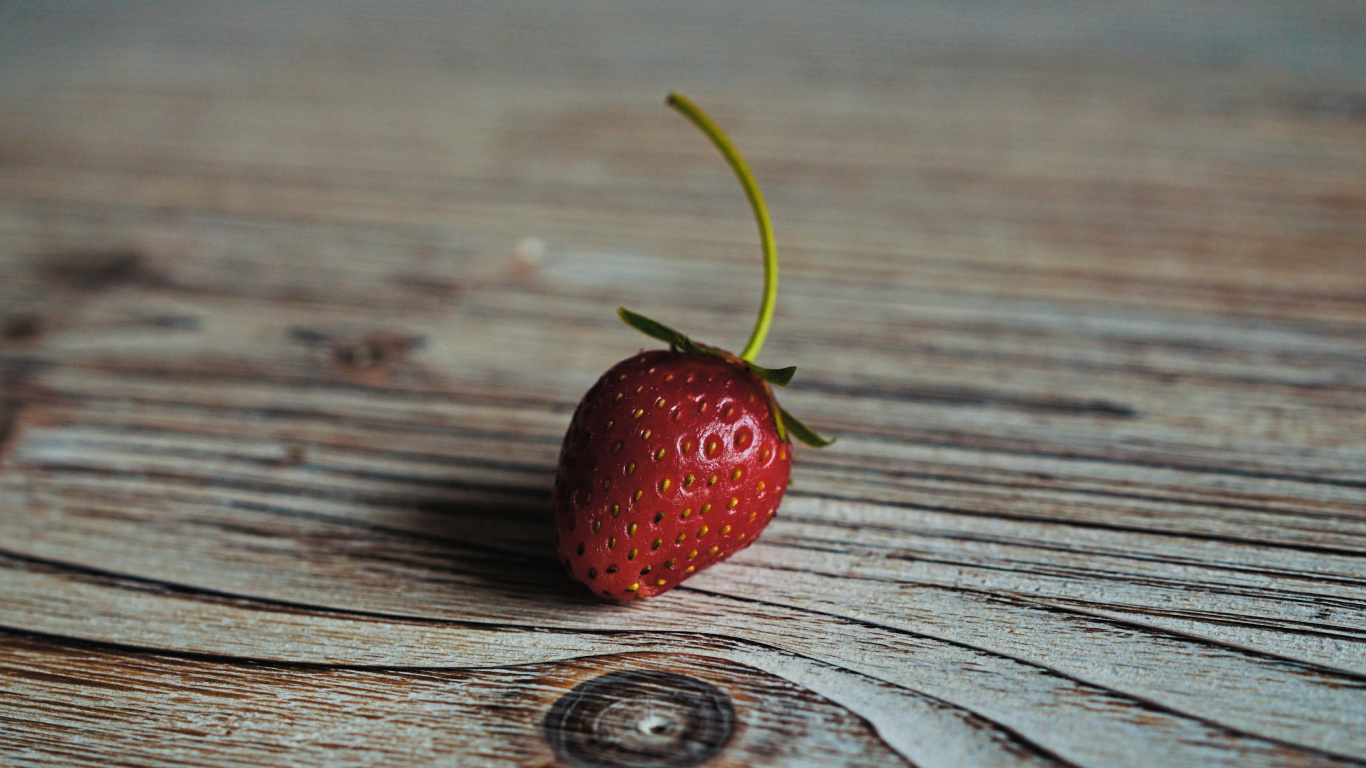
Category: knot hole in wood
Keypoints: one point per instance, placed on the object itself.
(642, 718)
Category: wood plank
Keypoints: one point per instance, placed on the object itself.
(194, 710)
(296, 304)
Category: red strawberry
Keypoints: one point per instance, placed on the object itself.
(675, 459)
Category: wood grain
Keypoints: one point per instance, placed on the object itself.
(297, 301)
(99, 699)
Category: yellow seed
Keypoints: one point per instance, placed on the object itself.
(622, 377)
(687, 511)
(771, 511)
(640, 389)
(729, 412)
(630, 467)
(765, 453)
(733, 503)
(612, 542)
(712, 480)
(741, 537)
(632, 554)
(664, 485)
(701, 531)
(646, 435)
(606, 483)
(616, 510)
(688, 481)
(702, 407)
(636, 496)
(659, 454)
(782, 453)
(656, 544)
(610, 423)
(638, 413)
(670, 377)
(597, 526)
(660, 403)
(660, 582)
(712, 447)
(687, 446)
(681, 537)
(678, 415)
(714, 549)
(736, 475)
(758, 488)
(633, 587)
(690, 569)
(631, 529)
(616, 448)
(671, 562)
(659, 517)
(752, 515)
(725, 530)
(705, 508)
(692, 554)
(620, 395)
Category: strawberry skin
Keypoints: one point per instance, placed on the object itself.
(672, 462)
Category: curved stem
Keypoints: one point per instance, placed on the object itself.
(756, 201)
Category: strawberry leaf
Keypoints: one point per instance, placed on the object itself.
(778, 417)
(803, 432)
(657, 330)
(653, 328)
(785, 421)
(779, 376)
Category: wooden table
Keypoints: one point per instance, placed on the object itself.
(297, 300)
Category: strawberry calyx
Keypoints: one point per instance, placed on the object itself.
(784, 421)
(679, 342)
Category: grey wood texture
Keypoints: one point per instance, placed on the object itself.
(297, 298)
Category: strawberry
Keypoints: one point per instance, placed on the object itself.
(676, 459)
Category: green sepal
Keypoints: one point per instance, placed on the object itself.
(786, 422)
(803, 432)
(777, 416)
(652, 328)
(657, 330)
(779, 376)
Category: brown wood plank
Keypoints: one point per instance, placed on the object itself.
(295, 303)
(155, 708)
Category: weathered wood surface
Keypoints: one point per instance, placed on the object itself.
(296, 302)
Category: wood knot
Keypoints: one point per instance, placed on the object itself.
(643, 718)
(376, 350)
(21, 327)
(94, 270)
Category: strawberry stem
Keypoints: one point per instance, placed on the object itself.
(756, 201)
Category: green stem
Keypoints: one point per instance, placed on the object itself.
(756, 201)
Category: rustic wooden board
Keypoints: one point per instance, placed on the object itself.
(297, 300)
